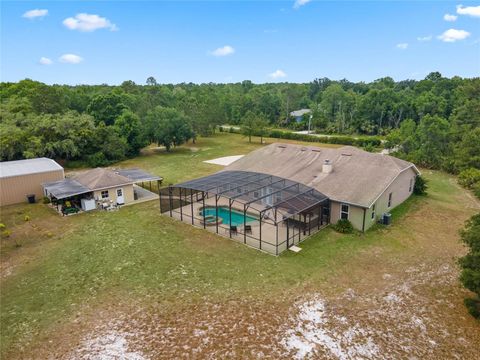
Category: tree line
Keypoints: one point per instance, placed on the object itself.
(434, 122)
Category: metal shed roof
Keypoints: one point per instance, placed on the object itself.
(27, 167)
(137, 175)
(65, 188)
(261, 191)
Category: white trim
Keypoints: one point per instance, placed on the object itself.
(391, 182)
(341, 211)
(110, 187)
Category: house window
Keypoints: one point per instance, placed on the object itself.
(389, 200)
(105, 194)
(373, 212)
(410, 187)
(344, 212)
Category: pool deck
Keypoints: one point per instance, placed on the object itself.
(268, 230)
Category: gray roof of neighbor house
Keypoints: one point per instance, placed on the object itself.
(28, 166)
(300, 112)
(65, 188)
(358, 176)
(137, 175)
(96, 179)
(99, 178)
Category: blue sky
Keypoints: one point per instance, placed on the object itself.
(222, 41)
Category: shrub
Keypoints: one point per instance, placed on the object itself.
(470, 263)
(6, 233)
(372, 141)
(343, 226)
(46, 200)
(420, 187)
(26, 218)
(476, 189)
(469, 178)
(473, 307)
(2, 226)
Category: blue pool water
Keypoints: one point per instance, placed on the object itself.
(224, 214)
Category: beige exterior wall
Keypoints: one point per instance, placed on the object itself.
(355, 214)
(400, 190)
(13, 190)
(112, 193)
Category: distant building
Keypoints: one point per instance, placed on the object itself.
(20, 178)
(298, 115)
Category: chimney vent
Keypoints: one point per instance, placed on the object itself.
(327, 167)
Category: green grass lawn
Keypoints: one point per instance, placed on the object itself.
(137, 253)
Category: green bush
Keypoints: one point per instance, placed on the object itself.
(470, 263)
(2, 226)
(46, 200)
(372, 141)
(6, 233)
(420, 187)
(476, 190)
(473, 307)
(469, 178)
(343, 226)
(26, 218)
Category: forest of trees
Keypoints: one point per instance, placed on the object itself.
(434, 122)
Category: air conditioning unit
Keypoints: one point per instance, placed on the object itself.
(387, 219)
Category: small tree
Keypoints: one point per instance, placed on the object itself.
(420, 187)
(470, 263)
(151, 81)
(249, 125)
(261, 125)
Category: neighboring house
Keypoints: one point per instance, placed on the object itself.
(361, 186)
(101, 186)
(298, 115)
(25, 177)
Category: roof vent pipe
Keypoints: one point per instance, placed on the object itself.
(327, 167)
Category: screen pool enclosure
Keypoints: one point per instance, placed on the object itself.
(264, 211)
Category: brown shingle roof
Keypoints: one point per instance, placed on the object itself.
(99, 178)
(358, 177)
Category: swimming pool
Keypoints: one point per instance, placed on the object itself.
(224, 214)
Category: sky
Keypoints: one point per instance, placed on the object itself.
(95, 42)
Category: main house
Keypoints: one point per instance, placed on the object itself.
(278, 195)
(361, 186)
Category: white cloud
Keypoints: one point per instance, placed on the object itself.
(45, 61)
(88, 22)
(277, 74)
(450, 17)
(71, 59)
(424, 38)
(452, 35)
(402, 46)
(468, 10)
(35, 13)
(223, 51)
(299, 3)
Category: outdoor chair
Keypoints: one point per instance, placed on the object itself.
(233, 230)
(248, 229)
